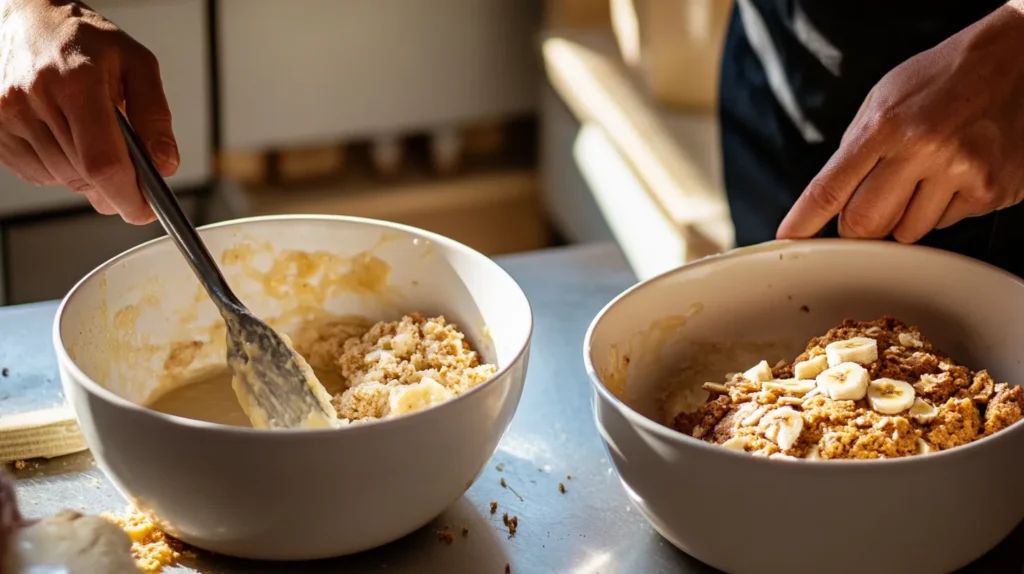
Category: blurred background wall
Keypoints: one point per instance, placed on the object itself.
(509, 125)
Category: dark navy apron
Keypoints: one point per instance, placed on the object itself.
(828, 54)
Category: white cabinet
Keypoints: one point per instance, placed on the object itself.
(315, 71)
(176, 31)
(47, 256)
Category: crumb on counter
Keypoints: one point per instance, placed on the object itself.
(503, 485)
(500, 467)
(5, 371)
(864, 390)
(568, 477)
(20, 464)
(151, 548)
(561, 487)
(445, 536)
(494, 507)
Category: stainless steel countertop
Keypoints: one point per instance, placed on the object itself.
(592, 528)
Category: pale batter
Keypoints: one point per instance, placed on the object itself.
(374, 371)
(210, 398)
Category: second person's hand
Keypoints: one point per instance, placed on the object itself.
(940, 138)
(63, 68)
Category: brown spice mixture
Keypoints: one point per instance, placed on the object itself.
(967, 405)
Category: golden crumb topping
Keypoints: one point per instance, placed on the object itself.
(864, 390)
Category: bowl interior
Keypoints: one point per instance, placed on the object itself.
(141, 322)
(654, 346)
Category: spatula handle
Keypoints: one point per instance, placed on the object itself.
(172, 218)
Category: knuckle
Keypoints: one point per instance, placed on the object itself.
(146, 57)
(14, 104)
(925, 140)
(825, 196)
(101, 167)
(988, 195)
(77, 185)
(905, 234)
(861, 223)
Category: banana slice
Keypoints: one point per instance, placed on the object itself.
(889, 396)
(811, 367)
(754, 417)
(844, 382)
(783, 425)
(861, 350)
(758, 373)
(794, 387)
(923, 447)
(408, 398)
(922, 412)
(813, 453)
(737, 443)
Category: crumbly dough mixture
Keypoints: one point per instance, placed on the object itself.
(397, 367)
(151, 548)
(864, 390)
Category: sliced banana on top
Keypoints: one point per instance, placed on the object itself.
(922, 412)
(844, 382)
(783, 425)
(811, 367)
(923, 447)
(861, 350)
(889, 396)
(416, 396)
(795, 387)
(738, 442)
(758, 373)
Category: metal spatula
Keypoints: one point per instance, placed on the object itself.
(273, 383)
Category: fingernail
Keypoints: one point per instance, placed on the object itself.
(164, 151)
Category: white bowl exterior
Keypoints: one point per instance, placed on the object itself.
(743, 514)
(287, 495)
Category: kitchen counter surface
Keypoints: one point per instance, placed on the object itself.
(591, 528)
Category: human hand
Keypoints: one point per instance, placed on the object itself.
(63, 68)
(940, 138)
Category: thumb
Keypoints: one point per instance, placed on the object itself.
(148, 112)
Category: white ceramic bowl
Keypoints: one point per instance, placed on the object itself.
(287, 495)
(745, 514)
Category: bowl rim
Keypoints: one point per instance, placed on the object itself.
(101, 392)
(778, 247)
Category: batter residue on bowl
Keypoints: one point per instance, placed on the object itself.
(374, 371)
(864, 390)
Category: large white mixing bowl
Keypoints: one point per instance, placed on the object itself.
(140, 319)
(744, 514)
